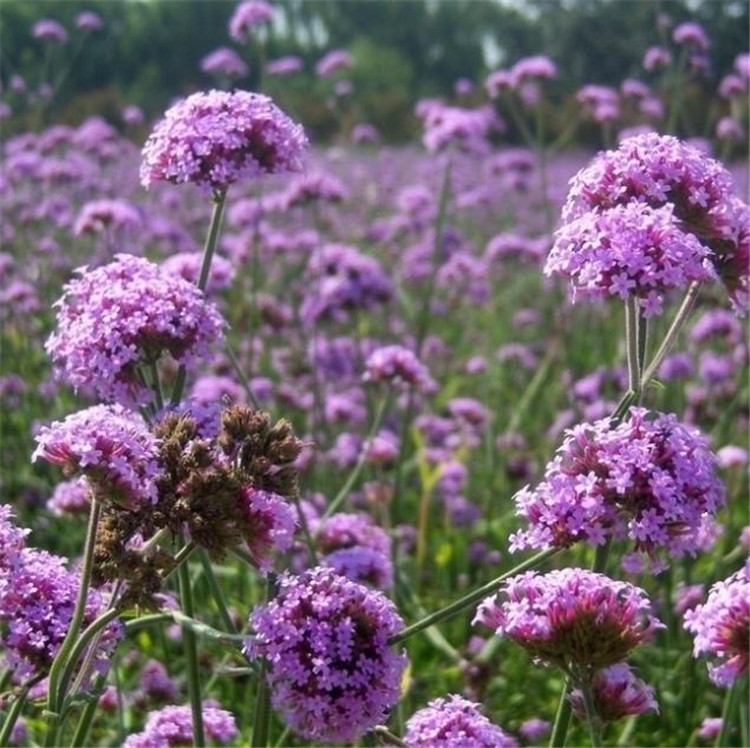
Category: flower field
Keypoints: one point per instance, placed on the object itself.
(355, 441)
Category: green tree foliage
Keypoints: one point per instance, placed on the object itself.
(150, 50)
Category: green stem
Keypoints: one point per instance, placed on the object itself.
(216, 592)
(562, 720)
(357, 470)
(143, 621)
(56, 695)
(592, 717)
(674, 330)
(472, 598)
(80, 737)
(388, 737)
(209, 248)
(727, 712)
(238, 370)
(191, 654)
(13, 715)
(214, 229)
(601, 555)
(88, 635)
(262, 712)
(154, 540)
(643, 329)
(309, 539)
(424, 313)
(631, 336)
(156, 382)
(533, 389)
(182, 556)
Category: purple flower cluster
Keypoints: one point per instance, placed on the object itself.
(574, 618)
(71, 497)
(721, 628)
(269, 525)
(617, 693)
(467, 129)
(124, 314)
(89, 21)
(12, 539)
(528, 71)
(216, 138)
(602, 103)
(109, 445)
(356, 548)
(187, 265)
(99, 215)
(337, 59)
(361, 564)
(331, 672)
(652, 480)
(285, 65)
(343, 279)
(454, 722)
(224, 61)
(247, 16)
(156, 683)
(629, 250)
(345, 530)
(399, 366)
(37, 598)
(310, 188)
(660, 170)
(172, 726)
(50, 31)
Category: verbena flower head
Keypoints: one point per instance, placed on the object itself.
(12, 539)
(99, 215)
(247, 16)
(399, 366)
(116, 317)
(656, 58)
(617, 693)
(268, 525)
(466, 129)
(71, 497)
(692, 35)
(37, 598)
(309, 188)
(285, 65)
(337, 59)
(534, 68)
(454, 722)
(187, 265)
(651, 479)
(89, 21)
(659, 170)
(156, 683)
(344, 530)
(111, 446)
(224, 61)
(721, 628)
(173, 726)
(627, 251)
(216, 138)
(50, 31)
(361, 564)
(331, 672)
(343, 279)
(577, 619)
